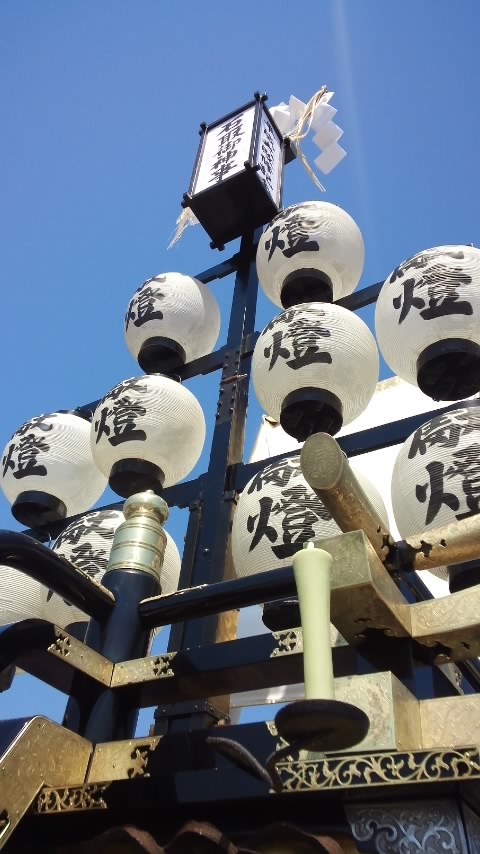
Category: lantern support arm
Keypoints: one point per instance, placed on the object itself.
(360, 299)
(51, 654)
(207, 599)
(39, 562)
(328, 472)
(457, 542)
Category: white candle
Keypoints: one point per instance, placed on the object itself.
(311, 567)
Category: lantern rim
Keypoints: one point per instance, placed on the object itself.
(132, 475)
(311, 410)
(449, 369)
(35, 508)
(461, 576)
(161, 355)
(306, 285)
(279, 616)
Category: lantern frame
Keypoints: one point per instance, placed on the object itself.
(234, 205)
(219, 667)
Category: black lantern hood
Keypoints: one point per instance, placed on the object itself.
(311, 410)
(132, 475)
(306, 285)
(449, 369)
(160, 355)
(35, 508)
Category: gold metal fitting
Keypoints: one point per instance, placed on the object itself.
(327, 470)
(140, 541)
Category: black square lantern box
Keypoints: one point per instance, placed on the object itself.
(237, 179)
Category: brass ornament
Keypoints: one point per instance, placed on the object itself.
(56, 663)
(62, 645)
(380, 769)
(71, 799)
(42, 754)
(141, 670)
(121, 760)
(363, 593)
(289, 642)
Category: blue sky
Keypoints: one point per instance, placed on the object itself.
(100, 104)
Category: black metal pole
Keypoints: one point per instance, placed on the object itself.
(208, 543)
(108, 715)
(227, 442)
(133, 573)
(200, 602)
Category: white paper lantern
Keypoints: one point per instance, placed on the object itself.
(315, 367)
(436, 477)
(147, 432)
(436, 480)
(87, 543)
(48, 472)
(278, 511)
(171, 319)
(21, 597)
(310, 252)
(427, 321)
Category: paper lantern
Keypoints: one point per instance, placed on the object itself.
(428, 321)
(21, 597)
(436, 477)
(147, 433)
(311, 252)
(48, 470)
(86, 543)
(237, 178)
(171, 319)
(315, 368)
(278, 511)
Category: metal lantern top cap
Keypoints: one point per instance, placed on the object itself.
(237, 178)
(146, 503)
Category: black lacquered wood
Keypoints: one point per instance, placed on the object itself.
(209, 599)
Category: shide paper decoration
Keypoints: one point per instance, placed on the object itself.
(310, 252)
(314, 368)
(48, 472)
(427, 321)
(147, 433)
(436, 479)
(296, 119)
(171, 320)
(86, 543)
